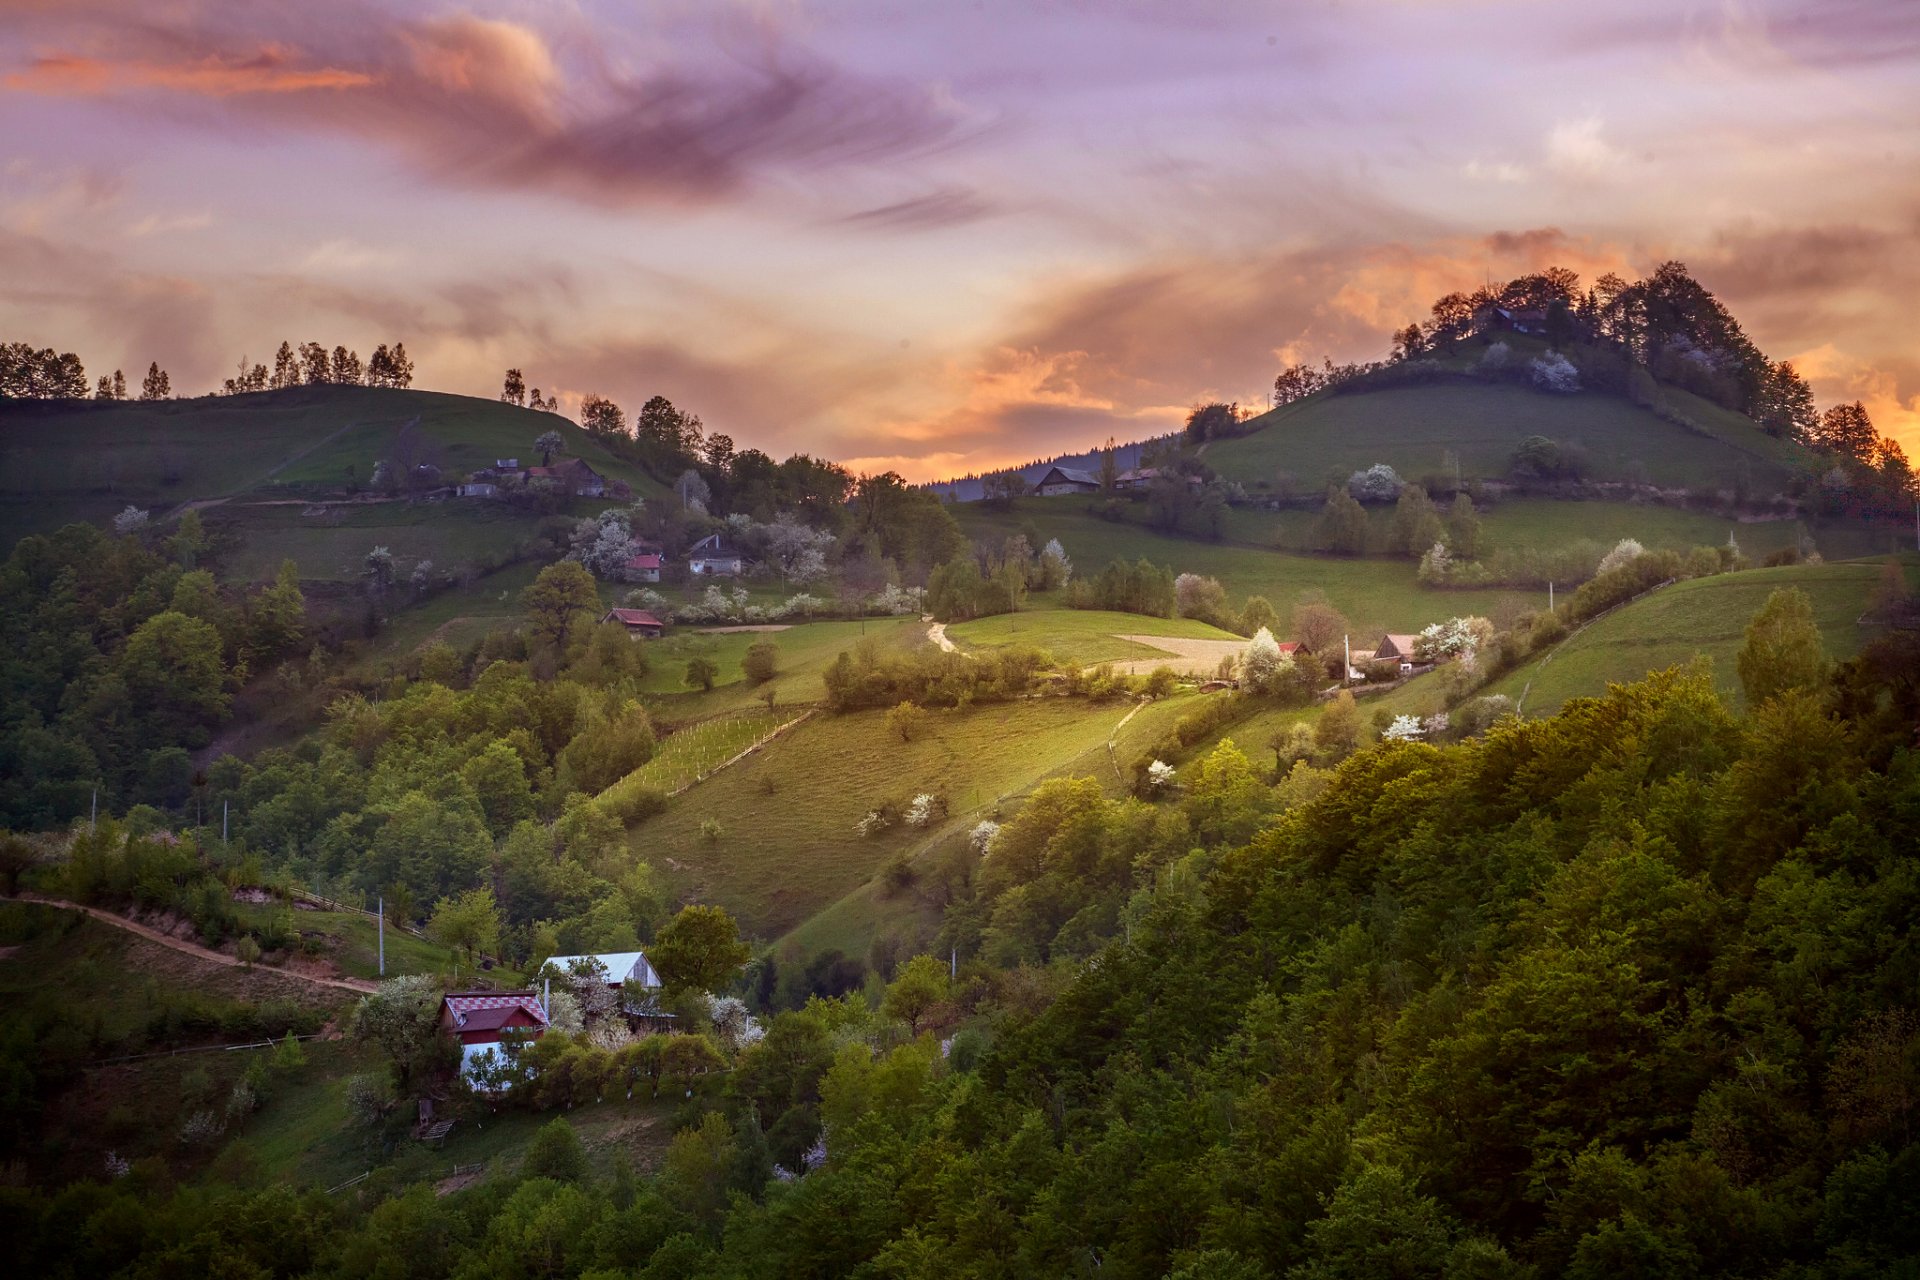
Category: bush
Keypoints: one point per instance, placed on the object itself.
(1554, 372)
(1378, 483)
(762, 662)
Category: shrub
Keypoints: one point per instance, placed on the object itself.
(1481, 714)
(1554, 372)
(1624, 551)
(762, 661)
(907, 720)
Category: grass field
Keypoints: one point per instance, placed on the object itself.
(85, 460)
(1677, 623)
(1376, 594)
(851, 924)
(805, 651)
(1423, 430)
(351, 942)
(787, 815)
(687, 753)
(1083, 636)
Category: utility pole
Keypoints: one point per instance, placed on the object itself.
(223, 824)
(1346, 665)
(383, 936)
(93, 819)
(1549, 597)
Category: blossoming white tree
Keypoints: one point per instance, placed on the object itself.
(1159, 776)
(1624, 552)
(1405, 729)
(1262, 665)
(1554, 372)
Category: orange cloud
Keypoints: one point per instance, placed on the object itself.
(1839, 377)
(272, 69)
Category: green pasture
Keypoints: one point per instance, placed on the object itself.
(805, 651)
(1375, 594)
(1083, 636)
(787, 845)
(1678, 623)
(686, 753)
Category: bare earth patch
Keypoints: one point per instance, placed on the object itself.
(1186, 657)
(758, 626)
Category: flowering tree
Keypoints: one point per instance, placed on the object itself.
(1405, 729)
(1262, 664)
(132, 520)
(1378, 483)
(1460, 638)
(1052, 570)
(1159, 777)
(1554, 372)
(1624, 552)
(603, 544)
(980, 839)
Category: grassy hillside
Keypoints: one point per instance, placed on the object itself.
(85, 460)
(787, 845)
(1424, 430)
(1675, 624)
(1375, 594)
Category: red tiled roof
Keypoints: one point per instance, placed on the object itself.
(489, 1010)
(634, 618)
(1290, 646)
(646, 560)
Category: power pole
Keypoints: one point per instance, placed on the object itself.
(1346, 665)
(383, 936)
(1549, 597)
(223, 824)
(93, 819)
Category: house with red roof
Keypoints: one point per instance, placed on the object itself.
(643, 567)
(638, 622)
(481, 1020)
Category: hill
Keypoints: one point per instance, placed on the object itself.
(1431, 430)
(65, 460)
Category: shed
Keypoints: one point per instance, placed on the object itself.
(638, 622)
(1059, 480)
(1397, 647)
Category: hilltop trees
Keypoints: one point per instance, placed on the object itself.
(156, 385)
(1847, 431)
(29, 374)
(514, 389)
(602, 417)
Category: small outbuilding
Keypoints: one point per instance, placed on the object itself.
(714, 557)
(1396, 648)
(644, 567)
(640, 624)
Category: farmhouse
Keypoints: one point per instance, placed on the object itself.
(479, 1020)
(1520, 321)
(639, 623)
(481, 484)
(573, 476)
(620, 966)
(644, 567)
(1059, 480)
(714, 556)
(1395, 648)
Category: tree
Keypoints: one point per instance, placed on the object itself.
(402, 1020)
(1213, 421)
(1416, 525)
(468, 923)
(514, 389)
(556, 1153)
(1342, 526)
(346, 366)
(1262, 664)
(1783, 651)
(156, 385)
(701, 673)
(377, 569)
(762, 661)
(1846, 430)
(1052, 570)
(698, 950)
(548, 444)
(1319, 626)
(602, 416)
(315, 367)
(559, 597)
(1463, 528)
(916, 990)
(173, 671)
(1258, 612)
(247, 952)
(906, 719)
(286, 367)
(119, 385)
(1337, 735)
(400, 368)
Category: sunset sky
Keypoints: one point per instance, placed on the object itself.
(939, 236)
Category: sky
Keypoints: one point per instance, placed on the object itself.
(939, 237)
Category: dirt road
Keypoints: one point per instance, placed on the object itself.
(359, 986)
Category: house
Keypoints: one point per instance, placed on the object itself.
(506, 464)
(480, 484)
(1396, 648)
(572, 476)
(1142, 477)
(1520, 321)
(714, 556)
(638, 622)
(644, 567)
(1060, 480)
(480, 1020)
(620, 966)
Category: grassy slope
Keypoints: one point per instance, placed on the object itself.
(1376, 595)
(1705, 616)
(1414, 429)
(1079, 635)
(787, 814)
(69, 460)
(805, 651)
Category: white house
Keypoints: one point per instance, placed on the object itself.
(620, 966)
(714, 556)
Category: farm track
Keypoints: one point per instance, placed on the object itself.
(359, 986)
(1186, 657)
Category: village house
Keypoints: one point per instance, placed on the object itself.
(640, 624)
(1141, 477)
(643, 567)
(622, 967)
(1059, 480)
(714, 556)
(1396, 648)
(572, 476)
(481, 484)
(480, 1020)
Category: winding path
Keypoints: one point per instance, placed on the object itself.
(937, 632)
(359, 986)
